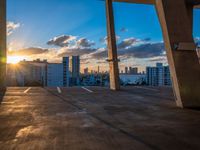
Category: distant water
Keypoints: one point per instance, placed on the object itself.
(132, 79)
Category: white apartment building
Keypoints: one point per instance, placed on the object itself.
(158, 76)
(58, 73)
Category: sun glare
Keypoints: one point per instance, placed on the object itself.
(14, 59)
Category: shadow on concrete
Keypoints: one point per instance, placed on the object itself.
(194, 108)
(2, 93)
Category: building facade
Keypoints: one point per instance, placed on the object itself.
(74, 69)
(158, 76)
(27, 73)
(58, 73)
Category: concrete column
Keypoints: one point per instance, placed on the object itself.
(112, 48)
(175, 18)
(3, 44)
(190, 9)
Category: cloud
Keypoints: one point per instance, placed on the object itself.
(11, 27)
(70, 45)
(127, 43)
(123, 29)
(158, 59)
(70, 51)
(105, 39)
(197, 40)
(148, 50)
(83, 42)
(127, 48)
(101, 53)
(28, 51)
(61, 41)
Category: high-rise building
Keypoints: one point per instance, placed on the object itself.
(126, 70)
(130, 70)
(65, 71)
(74, 68)
(158, 76)
(133, 70)
(58, 73)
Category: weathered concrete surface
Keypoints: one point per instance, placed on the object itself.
(112, 48)
(191, 2)
(184, 63)
(134, 118)
(2, 44)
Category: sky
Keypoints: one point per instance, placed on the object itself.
(52, 29)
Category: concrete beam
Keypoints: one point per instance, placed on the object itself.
(137, 1)
(197, 6)
(112, 48)
(193, 2)
(3, 44)
(184, 64)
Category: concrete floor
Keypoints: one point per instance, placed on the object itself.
(137, 118)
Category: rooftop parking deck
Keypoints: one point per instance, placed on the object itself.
(94, 118)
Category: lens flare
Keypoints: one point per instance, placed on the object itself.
(14, 59)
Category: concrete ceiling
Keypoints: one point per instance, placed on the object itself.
(193, 2)
(137, 1)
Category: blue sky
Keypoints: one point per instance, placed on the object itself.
(39, 21)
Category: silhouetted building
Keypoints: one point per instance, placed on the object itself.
(126, 70)
(133, 70)
(65, 71)
(74, 68)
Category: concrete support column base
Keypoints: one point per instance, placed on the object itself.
(176, 21)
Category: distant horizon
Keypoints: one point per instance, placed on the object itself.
(89, 69)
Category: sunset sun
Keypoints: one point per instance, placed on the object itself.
(14, 59)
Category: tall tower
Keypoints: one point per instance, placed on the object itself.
(65, 71)
(74, 68)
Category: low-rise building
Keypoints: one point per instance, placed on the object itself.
(27, 73)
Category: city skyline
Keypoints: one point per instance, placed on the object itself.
(55, 30)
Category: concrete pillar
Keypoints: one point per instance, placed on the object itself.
(112, 48)
(175, 18)
(3, 44)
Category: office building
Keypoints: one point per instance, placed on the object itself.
(133, 70)
(74, 68)
(65, 71)
(58, 73)
(126, 70)
(158, 76)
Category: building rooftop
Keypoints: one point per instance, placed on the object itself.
(96, 118)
